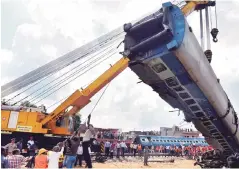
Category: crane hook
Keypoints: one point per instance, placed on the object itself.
(214, 33)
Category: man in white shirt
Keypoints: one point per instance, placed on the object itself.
(135, 146)
(123, 146)
(54, 156)
(79, 155)
(118, 149)
(90, 132)
(31, 146)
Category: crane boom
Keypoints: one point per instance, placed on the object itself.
(81, 98)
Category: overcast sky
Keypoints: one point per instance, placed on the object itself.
(36, 32)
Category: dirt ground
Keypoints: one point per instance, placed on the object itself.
(178, 163)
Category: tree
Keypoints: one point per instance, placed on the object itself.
(77, 121)
(28, 104)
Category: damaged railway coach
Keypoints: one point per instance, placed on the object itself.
(165, 54)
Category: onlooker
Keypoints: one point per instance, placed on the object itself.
(146, 155)
(107, 148)
(112, 147)
(79, 155)
(135, 149)
(19, 144)
(31, 147)
(122, 146)
(118, 149)
(54, 156)
(71, 151)
(41, 160)
(15, 160)
(4, 162)
(11, 146)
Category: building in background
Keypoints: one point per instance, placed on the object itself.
(129, 136)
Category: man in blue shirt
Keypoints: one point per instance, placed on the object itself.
(107, 148)
(4, 162)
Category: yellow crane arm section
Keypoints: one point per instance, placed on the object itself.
(79, 99)
(190, 7)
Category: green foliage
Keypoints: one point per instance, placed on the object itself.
(28, 104)
(77, 121)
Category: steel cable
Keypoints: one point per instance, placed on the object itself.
(35, 84)
(73, 53)
(68, 77)
(49, 75)
(75, 78)
(62, 75)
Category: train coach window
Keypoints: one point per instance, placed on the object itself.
(194, 108)
(184, 95)
(174, 140)
(160, 140)
(196, 141)
(159, 68)
(171, 140)
(157, 140)
(164, 140)
(143, 139)
(167, 140)
(190, 102)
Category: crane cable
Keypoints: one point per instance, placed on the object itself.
(49, 75)
(62, 80)
(54, 85)
(216, 13)
(74, 53)
(74, 78)
(102, 94)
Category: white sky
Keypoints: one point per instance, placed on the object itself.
(36, 32)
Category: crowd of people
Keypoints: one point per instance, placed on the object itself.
(74, 150)
(70, 153)
(109, 134)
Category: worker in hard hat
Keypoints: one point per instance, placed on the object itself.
(41, 159)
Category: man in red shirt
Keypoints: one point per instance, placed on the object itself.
(210, 148)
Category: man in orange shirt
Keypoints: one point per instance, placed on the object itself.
(139, 149)
(41, 160)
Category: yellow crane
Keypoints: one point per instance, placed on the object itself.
(38, 123)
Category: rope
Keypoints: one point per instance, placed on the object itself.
(98, 100)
